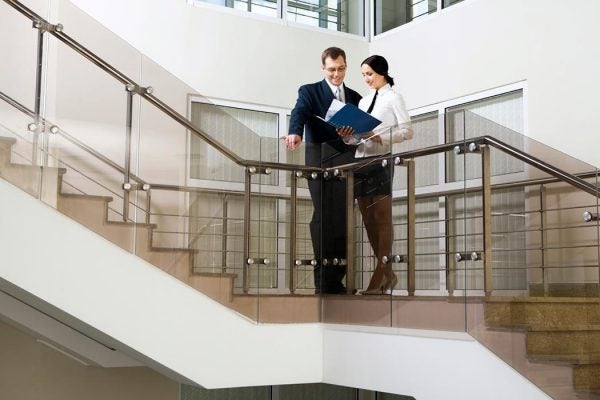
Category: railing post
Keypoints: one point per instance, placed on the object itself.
(37, 107)
(350, 284)
(127, 165)
(148, 205)
(486, 180)
(410, 227)
(449, 243)
(293, 231)
(247, 192)
(224, 233)
(543, 238)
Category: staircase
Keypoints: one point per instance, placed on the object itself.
(557, 331)
(92, 212)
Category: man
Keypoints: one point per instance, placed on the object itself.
(325, 148)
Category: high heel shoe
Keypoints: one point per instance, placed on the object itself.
(380, 289)
(392, 283)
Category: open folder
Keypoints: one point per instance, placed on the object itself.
(340, 114)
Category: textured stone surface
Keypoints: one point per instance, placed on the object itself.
(559, 330)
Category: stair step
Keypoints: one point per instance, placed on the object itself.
(542, 314)
(218, 287)
(579, 346)
(586, 378)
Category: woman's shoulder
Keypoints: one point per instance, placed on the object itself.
(394, 96)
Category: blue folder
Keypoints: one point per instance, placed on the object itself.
(352, 116)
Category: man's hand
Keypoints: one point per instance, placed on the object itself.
(292, 141)
(345, 131)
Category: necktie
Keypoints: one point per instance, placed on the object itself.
(373, 102)
(338, 94)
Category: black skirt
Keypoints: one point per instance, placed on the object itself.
(373, 179)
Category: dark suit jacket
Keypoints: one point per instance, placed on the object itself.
(315, 99)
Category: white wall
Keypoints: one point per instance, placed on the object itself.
(226, 54)
(428, 365)
(482, 44)
(151, 315)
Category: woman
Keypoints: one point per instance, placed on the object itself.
(373, 184)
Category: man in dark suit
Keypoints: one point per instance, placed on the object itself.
(325, 148)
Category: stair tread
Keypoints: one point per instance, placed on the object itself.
(138, 224)
(8, 140)
(214, 274)
(16, 166)
(578, 359)
(87, 196)
(571, 328)
(173, 249)
(535, 300)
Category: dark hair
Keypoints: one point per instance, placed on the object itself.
(379, 65)
(333, 53)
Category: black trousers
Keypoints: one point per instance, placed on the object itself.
(328, 224)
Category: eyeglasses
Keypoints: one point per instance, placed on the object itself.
(334, 70)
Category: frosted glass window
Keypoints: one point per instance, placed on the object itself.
(252, 135)
(500, 117)
(426, 168)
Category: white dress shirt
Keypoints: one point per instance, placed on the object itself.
(395, 124)
(334, 89)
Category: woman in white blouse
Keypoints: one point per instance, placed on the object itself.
(373, 184)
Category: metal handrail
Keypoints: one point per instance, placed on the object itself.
(112, 71)
(541, 165)
(75, 141)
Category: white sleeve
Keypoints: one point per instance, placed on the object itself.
(402, 130)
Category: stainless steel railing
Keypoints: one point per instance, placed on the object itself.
(479, 145)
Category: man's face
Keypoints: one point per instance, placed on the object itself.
(335, 70)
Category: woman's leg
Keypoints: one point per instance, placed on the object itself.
(377, 217)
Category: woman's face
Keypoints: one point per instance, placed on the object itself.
(372, 78)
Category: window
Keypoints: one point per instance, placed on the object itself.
(337, 15)
(498, 113)
(216, 219)
(390, 14)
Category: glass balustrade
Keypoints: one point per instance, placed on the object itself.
(538, 267)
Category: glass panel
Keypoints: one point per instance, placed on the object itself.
(19, 46)
(390, 14)
(197, 224)
(499, 116)
(329, 223)
(20, 138)
(541, 267)
(426, 134)
(338, 15)
(88, 109)
(243, 131)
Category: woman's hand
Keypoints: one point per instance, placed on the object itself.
(373, 137)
